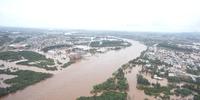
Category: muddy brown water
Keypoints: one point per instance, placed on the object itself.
(79, 78)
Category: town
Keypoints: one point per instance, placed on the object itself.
(47, 53)
(170, 67)
(167, 66)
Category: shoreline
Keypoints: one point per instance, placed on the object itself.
(78, 78)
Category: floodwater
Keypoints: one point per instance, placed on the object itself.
(79, 78)
(5, 77)
(134, 93)
(12, 65)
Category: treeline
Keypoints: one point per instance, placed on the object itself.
(41, 64)
(117, 82)
(153, 89)
(177, 79)
(113, 88)
(193, 71)
(67, 64)
(36, 59)
(46, 49)
(156, 90)
(109, 95)
(183, 92)
(174, 47)
(29, 55)
(24, 78)
(141, 80)
(4, 39)
(10, 56)
(107, 43)
(19, 39)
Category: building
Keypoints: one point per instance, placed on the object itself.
(74, 56)
(18, 46)
(158, 78)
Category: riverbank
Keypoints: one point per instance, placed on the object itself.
(78, 78)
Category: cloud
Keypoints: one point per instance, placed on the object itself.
(139, 15)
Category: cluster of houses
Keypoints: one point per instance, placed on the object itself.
(179, 61)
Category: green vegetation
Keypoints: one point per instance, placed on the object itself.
(192, 71)
(109, 84)
(19, 39)
(10, 56)
(67, 64)
(194, 87)
(32, 56)
(174, 47)
(155, 90)
(143, 60)
(4, 39)
(179, 79)
(46, 49)
(29, 55)
(40, 64)
(122, 84)
(3, 91)
(196, 97)
(58, 62)
(113, 88)
(24, 78)
(143, 84)
(142, 81)
(118, 82)
(174, 79)
(37, 60)
(110, 95)
(183, 92)
(108, 43)
(33, 59)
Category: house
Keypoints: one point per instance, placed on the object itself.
(171, 74)
(158, 78)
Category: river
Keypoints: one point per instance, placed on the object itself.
(78, 79)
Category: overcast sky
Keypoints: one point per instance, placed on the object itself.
(130, 15)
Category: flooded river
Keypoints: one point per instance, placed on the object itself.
(79, 78)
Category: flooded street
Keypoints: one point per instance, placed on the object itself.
(78, 79)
